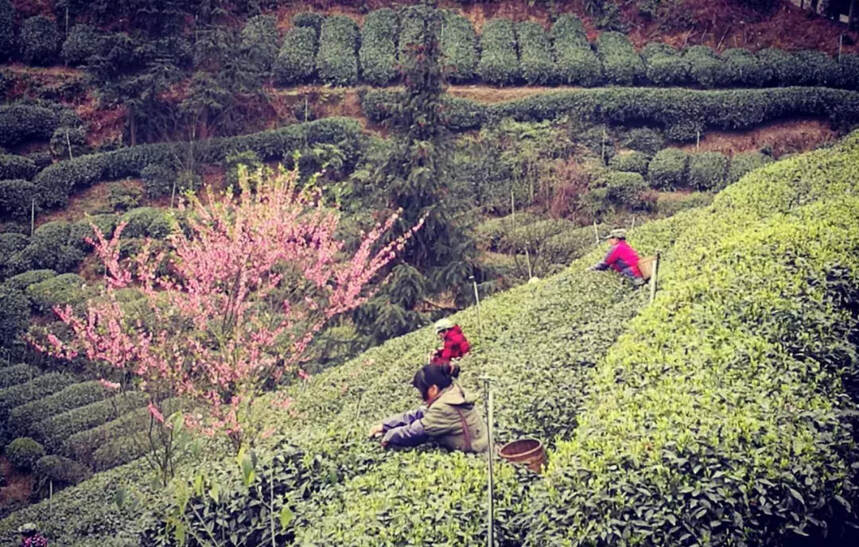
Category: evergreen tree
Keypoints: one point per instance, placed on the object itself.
(432, 273)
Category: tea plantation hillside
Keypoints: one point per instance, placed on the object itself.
(720, 413)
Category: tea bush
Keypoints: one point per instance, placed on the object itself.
(336, 60)
(849, 71)
(680, 437)
(536, 59)
(705, 67)
(16, 199)
(40, 40)
(82, 42)
(7, 30)
(22, 418)
(14, 315)
(744, 69)
(617, 189)
(309, 19)
(23, 453)
(11, 375)
(146, 222)
(669, 204)
(815, 68)
(16, 167)
(491, 233)
(122, 196)
(459, 54)
(23, 280)
(664, 65)
(59, 471)
(577, 64)
(668, 170)
(24, 122)
(51, 247)
(707, 171)
(411, 25)
(785, 71)
(630, 161)
(38, 387)
(499, 60)
(622, 65)
(55, 430)
(296, 61)
(643, 139)
(67, 288)
(258, 46)
(65, 137)
(745, 162)
(378, 52)
(531, 235)
(568, 245)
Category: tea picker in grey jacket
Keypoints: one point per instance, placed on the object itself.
(449, 416)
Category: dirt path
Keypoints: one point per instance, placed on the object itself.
(783, 137)
(17, 487)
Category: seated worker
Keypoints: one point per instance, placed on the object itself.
(621, 258)
(448, 417)
(455, 344)
(30, 536)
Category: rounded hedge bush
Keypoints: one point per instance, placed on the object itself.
(11, 375)
(14, 316)
(499, 61)
(61, 471)
(744, 69)
(705, 67)
(83, 42)
(309, 19)
(536, 58)
(21, 122)
(40, 40)
(664, 65)
(567, 246)
(337, 59)
(17, 198)
(378, 52)
(23, 280)
(644, 139)
(23, 453)
(785, 70)
(849, 71)
(621, 189)
(815, 68)
(64, 138)
(67, 288)
(145, 222)
(668, 169)
(7, 30)
(459, 55)
(708, 171)
(17, 167)
(259, 39)
(622, 65)
(157, 180)
(744, 163)
(577, 64)
(23, 417)
(631, 161)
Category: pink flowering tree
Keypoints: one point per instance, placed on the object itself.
(231, 303)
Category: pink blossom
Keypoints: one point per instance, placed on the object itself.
(153, 410)
(108, 385)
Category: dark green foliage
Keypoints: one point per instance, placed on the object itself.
(815, 68)
(632, 161)
(14, 316)
(668, 204)
(785, 70)
(23, 453)
(52, 247)
(16, 167)
(82, 42)
(536, 58)
(82, 229)
(158, 180)
(622, 65)
(146, 222)
(7, 30)
(744, 69)
(60, 472)
(499, 61)
(21, 281)
(617, 189)
(10, 243)
(708, 171)
(644, 139)
(64, 138)
(664, 65)
(258, 47)
(16, 198)
(577, 64)
(55, 430)
(668, 170)
(296, 61)
(122, 197)
(11, 375)
(705, 67)
(39, 40)
(567, 246)
(336, 60)
(64, 289)
(22, 418)
(378, 52)
(531, 235)
(309, 19)
(458, 48)
(38, 387)
(23, 122)
(849, 71)
(248, 160)
(744, 163)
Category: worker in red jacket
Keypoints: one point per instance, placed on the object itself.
(621, 258)
(455, 344)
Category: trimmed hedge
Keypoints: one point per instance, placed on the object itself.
(744, 163)
(40, 40)
(617, 189)
(744, 69)
(459, 55)
(631, 161)
(16, 199)
(22, 418)
(309, 19)
(51, 247)
(7, 30)
(849, 71)
(64, 289)
(14, 315)
(671, 203)
(577, 64)
(23, 453)
(54, 431)
(82, 445)
(708, 171)
(499, 60)
(259, 40)
(36, 388)
(643, 139)
(83, 42)
(567, 246)
(785, 71)
(816, 68)
(60, 471)
(664, 65)
(24, 122)
(668, 170)
(337, 60)
(705, 67)
(143, 222)
(21, 281)
(17, 167)
(296, 61)
(622, 65)
(377, 55)
(11, 375)
(536, 58)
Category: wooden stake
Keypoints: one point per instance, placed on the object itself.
(32, 217)
(596, 233)
(654, 276)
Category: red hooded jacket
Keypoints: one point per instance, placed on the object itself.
(619, 258)
(455, 346)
